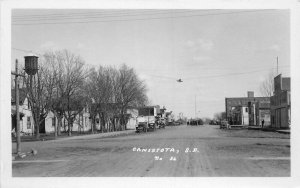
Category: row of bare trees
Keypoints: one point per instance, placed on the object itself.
(65, 86)
(112, 92)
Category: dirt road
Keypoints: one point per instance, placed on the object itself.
(171, 152)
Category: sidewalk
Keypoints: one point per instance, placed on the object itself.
(74, 136)
(268, 129)
(97, 135)
(284, 131)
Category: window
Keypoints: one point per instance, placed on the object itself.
(85, 121)
(28, 123)
(53, 122)
(246, 109)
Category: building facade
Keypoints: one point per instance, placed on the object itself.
(248, 110)
(26, 118)
(132, 118)
(82, 122)
(281, 103)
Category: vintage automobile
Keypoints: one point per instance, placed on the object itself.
(161, 122)
(147, 118)
(224, 125)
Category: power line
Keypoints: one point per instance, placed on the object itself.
(231, 74)
(140, 19)
(216, 76)
(213, 68)
(101, 12)
(28, 51)
(173, 78)
(95, 15)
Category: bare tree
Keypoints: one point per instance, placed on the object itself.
(267, 86)
(56, 106)
(129, 91)
(70, 84)
(112, 92)
(100, 90)
(39, 91)
(69, 98)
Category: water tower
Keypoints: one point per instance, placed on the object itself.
(31, 67)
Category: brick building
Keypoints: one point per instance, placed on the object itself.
(281, 103)
(248, 110)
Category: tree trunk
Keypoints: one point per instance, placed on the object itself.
(65, 126)
(69, 128)
(79, 127)
(59, 119)
(37, 126)
(102, 122)
(92, 126)
(55, 130)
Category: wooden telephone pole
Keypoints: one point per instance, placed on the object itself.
(277, 64)
(17, 108)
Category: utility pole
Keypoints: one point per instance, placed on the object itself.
(277, 65)
(17, 108)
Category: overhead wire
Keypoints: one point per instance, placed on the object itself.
(215, 76)
(140, 19)
(98, 15)
(100, 11)
(184, 79)
(28, 51)
(230, 74)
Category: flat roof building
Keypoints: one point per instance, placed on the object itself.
(281, 103)
(248, 110)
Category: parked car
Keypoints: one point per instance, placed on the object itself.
(224, 125)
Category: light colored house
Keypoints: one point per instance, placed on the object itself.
(81, 124)
(132, 118)
(26, 118)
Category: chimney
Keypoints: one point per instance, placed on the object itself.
(250, 94)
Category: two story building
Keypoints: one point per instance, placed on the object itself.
(26, 118)
(281, 103)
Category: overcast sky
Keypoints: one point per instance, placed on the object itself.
(217, 53)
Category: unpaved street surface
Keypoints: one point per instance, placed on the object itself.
(171, 152)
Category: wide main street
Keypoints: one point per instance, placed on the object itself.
(192, 151)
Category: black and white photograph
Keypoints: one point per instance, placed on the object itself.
(148, 92)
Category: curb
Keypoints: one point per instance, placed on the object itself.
(98, 135)
(283, 132)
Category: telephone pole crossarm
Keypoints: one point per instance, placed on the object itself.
(17, 74)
